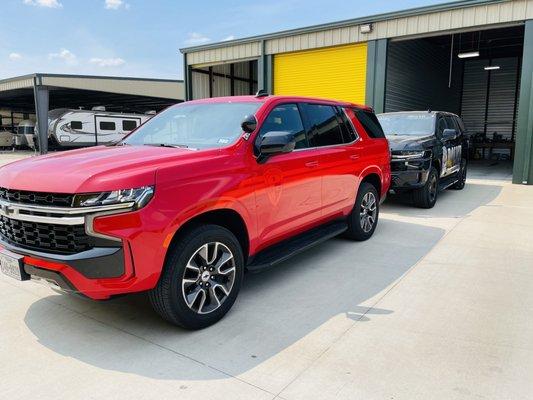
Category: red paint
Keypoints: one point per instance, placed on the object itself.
(278, 199)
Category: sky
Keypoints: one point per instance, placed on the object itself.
(142, 38)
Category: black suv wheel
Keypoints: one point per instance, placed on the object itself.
(363, 219)
(201, 278)
(426, 196)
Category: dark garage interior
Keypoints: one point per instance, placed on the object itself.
(473, 74)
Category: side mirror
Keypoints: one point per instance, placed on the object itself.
(449, 134)
(249, 123)
(275, 142)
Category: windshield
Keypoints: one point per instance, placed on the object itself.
(198, 126)
(25, 130)
(407, 124)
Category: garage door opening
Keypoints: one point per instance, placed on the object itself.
(473, 74)
(233, 79)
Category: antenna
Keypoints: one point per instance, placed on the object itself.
(262, 93)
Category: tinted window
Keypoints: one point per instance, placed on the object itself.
(460, 124)
(76, 125)
(441, 125)
(370, 123)
(450, 122)
(129, 125)
(348, 131)
(325, 129)
(286, 118)
(107, 126)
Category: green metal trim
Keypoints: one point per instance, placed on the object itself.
(376, 74)
(349, 22)
(522, 169)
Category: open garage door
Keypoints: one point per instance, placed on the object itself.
(336, 73)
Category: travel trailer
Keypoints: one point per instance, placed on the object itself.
(80, 128)
(25, 134)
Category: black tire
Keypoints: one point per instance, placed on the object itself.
(357, 229)
(461, 183)
(426, 196)
(168, 298)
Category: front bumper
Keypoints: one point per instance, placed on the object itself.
(409, 174)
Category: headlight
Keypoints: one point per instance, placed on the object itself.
(139, 197)
(410, 154)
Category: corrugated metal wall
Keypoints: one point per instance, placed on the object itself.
(499, 112)
(417, 78)
(345, 33)
(474, 96)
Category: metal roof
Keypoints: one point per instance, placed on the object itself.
(161, 88)
(349, 22)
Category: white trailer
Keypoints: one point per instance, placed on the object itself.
(80, 128)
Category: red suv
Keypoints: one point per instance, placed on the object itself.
(194, 197)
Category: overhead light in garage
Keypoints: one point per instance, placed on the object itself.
(367, 28)
(468, 54)
(491, 67)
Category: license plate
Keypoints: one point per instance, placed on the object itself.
(11, 265)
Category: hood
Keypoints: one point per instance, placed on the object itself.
(407, 142)
(91, 170)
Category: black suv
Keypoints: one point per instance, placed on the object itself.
(429, 153)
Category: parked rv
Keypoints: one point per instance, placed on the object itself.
(25, 134)
(80, 128)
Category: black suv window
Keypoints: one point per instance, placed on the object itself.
(324, 126)
(441, 125)
(286, 118)
(370, 123)
(460, 124)
(451, 123)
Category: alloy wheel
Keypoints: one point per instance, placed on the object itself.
(368, 212)
(432, 188)
(208, 277)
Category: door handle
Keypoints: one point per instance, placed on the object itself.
(354, 157)
(311, 164)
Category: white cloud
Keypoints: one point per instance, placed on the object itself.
(15, 56)
(230, 37)
(65, 55)
(107, 62)
(116, 4)
(44, 3)
(196, 38)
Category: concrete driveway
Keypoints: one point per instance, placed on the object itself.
(436, 306)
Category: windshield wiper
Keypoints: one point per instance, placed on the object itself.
(177, 146)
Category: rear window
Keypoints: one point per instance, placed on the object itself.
(325, 129)
(370, 123)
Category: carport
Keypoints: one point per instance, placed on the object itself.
(39, 93)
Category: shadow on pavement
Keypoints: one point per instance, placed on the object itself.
(450, 203)
(276, 311)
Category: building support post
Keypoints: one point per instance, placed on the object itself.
(187, 78)
(42, 101)
(523, 163)
(376, 74)
(264, 71)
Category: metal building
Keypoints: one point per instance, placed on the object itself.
(471, 57)
(38, 93)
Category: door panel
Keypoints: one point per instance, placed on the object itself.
(451, 152)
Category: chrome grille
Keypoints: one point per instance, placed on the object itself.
(37, 198)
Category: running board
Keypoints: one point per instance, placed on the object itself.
(448, 181)
(283, 251)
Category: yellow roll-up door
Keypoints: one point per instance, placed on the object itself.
(335, 73)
